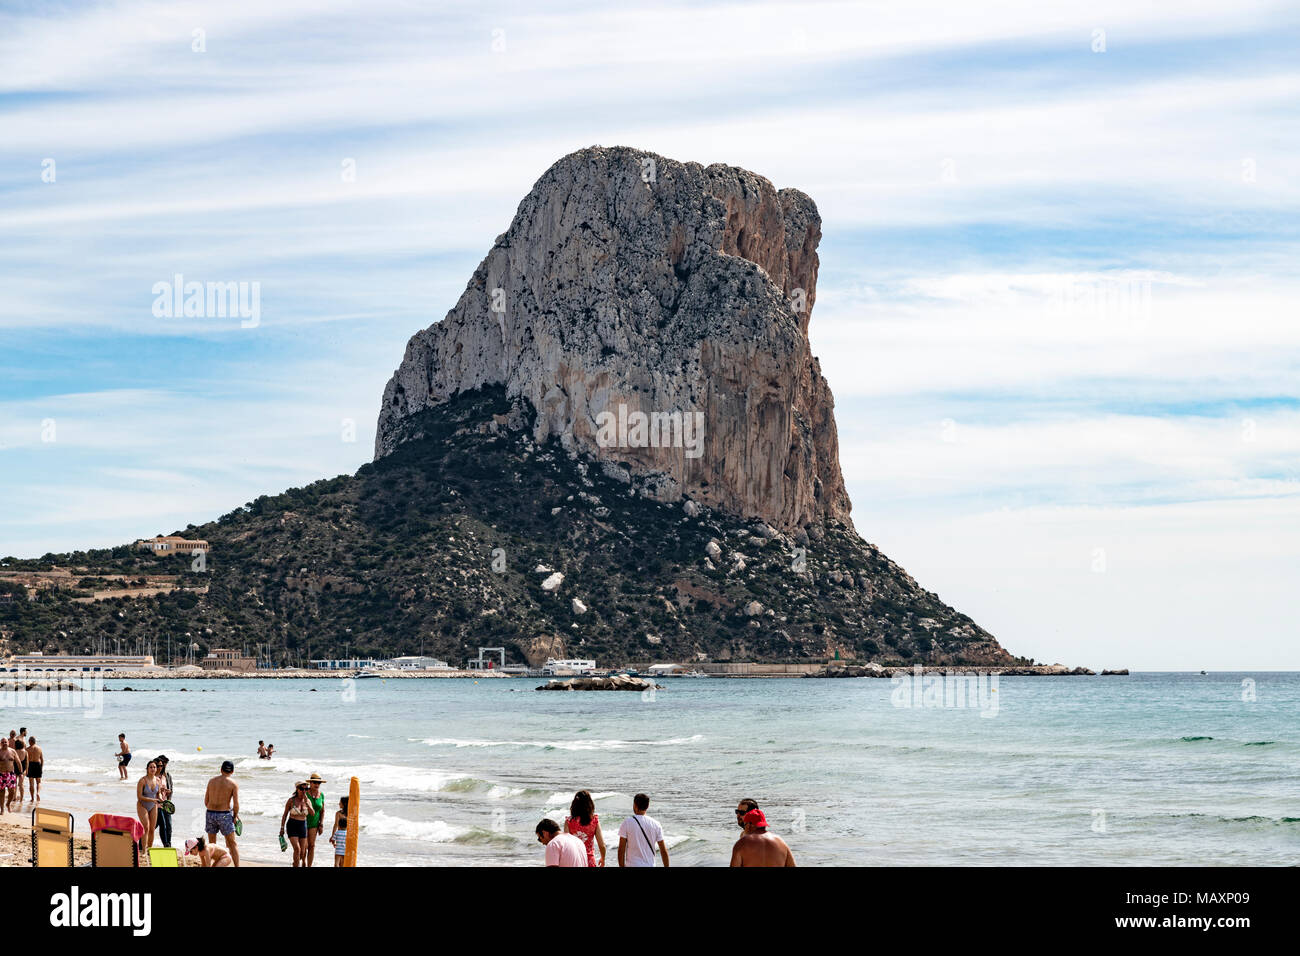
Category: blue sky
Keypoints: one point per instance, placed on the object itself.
(1057, 302)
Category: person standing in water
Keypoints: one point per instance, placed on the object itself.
(123, 756)
(583, 823)
(9, 760)
(20, 747)
(35, 768)
(758, 847)
(639, 835)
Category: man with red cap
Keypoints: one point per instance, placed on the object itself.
(758, 847)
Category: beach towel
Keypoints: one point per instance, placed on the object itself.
(113, 821)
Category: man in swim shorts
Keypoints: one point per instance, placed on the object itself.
(35, 767)
(123, 755)
(221, 799)
(10, 764)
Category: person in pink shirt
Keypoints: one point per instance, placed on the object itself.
(562, 849)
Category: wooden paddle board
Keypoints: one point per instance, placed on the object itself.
(354, 823)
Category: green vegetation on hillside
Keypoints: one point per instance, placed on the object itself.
(400, 558)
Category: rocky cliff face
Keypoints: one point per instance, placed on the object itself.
(654, 315)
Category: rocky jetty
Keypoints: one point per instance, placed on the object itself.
(873, 669)
(617, 682)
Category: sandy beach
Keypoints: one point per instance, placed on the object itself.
(16, 843)
(16, 840)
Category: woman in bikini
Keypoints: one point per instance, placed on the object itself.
(147, 800)
(296, 810)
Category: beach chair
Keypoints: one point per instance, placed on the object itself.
(51, 838)
(114, 840)
(164, 856)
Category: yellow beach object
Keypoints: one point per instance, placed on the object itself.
(354, 823)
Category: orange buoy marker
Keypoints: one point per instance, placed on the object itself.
(354, 823)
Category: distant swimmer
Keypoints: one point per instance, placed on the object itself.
(759, 847)
(261, 749)
(123, 756)
(221, 799)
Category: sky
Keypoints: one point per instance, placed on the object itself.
(1056, 306)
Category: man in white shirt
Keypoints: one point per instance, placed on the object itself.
(639, 835)
(562, 849)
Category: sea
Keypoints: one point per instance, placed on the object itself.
(1161, 769)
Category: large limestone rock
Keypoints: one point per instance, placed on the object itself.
(627, 279)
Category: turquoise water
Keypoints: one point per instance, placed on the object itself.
(1149, 769)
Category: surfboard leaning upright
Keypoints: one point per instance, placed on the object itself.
(354, 822)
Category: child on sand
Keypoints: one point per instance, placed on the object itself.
(339, 835)
(208, 855)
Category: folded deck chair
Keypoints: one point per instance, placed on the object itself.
(51, 837)
(164, 856)
(114, 840)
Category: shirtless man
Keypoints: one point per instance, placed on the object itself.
(222, 802)
(123, 756)
(35, 768)
(758, 847)
(208, 855)
(10, 765)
